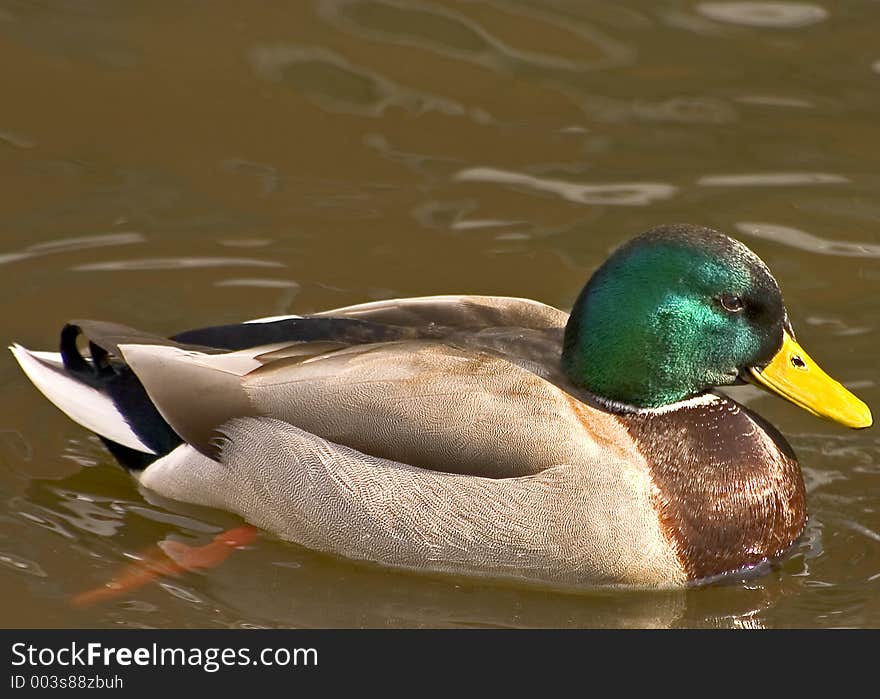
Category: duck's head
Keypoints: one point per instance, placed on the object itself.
(683, 308)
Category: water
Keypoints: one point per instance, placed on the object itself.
(171, 167)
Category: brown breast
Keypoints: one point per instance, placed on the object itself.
(730, 493)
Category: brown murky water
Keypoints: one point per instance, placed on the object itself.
(172, 165)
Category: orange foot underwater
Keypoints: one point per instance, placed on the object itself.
(168, 558)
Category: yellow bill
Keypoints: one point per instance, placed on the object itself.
(795, 376)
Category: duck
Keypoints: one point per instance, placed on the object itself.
(483, 436)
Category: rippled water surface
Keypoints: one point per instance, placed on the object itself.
(169, 165)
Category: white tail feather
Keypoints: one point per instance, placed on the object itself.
(81, 403)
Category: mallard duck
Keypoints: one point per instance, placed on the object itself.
(481, 435)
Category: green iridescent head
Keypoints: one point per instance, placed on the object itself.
(670, 314)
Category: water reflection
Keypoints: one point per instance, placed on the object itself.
(15, 447)
(337, 85)
(682, 109)
(443, 215)
(771, 179)
(70, 244)
(95, 31)
(161, 263)
(779, 15)
(265, 587)
(267, 175)
(453, 33)
(88, 513)
(776, 101)
(861, 529)
(16, 140)
(480, 223)
(616, 194)
(836, 326)
(45, 519)
(244, 242)
(21, 565)
(181, 593)
(259, 283)
(802, 240)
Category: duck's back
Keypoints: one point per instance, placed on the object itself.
(477, 401)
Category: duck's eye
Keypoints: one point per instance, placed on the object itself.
(731, 302)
